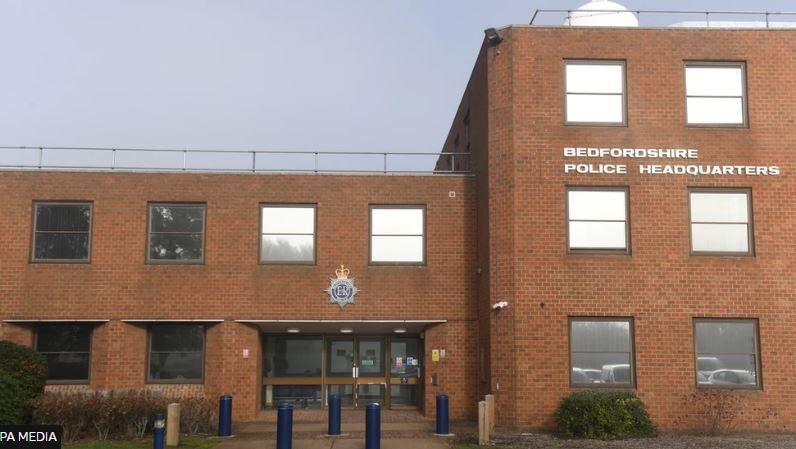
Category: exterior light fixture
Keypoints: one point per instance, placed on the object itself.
(293, 330)
(492, 36)
(346, 330)
(400, 330)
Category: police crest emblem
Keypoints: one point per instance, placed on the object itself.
(342, 289)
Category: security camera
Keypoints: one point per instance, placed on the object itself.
(500, 305)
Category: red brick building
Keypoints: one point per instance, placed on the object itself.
(224, 322)
(629, 203)
(633, 196)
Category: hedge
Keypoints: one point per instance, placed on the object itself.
(605, 415)
(120, 414)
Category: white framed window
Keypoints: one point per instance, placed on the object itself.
(597, 219)
(715, 93)
(601, 352)
(287, 233)
(727, 353)
(595, 92)
(397, 234)
(721, 221)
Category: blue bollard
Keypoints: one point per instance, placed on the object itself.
(225, 416)
(284, 426)
(158, 431)
(443, 424)
(372, 426)
(334, 415)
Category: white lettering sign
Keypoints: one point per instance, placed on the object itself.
(656, 169)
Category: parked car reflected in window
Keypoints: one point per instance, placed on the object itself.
(601, 352)
(727, 353)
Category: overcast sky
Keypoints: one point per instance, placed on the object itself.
(361, 75)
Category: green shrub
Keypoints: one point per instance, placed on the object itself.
(29, 371)
(605, 415)
(12, 401)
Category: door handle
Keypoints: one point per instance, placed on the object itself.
(418, 373)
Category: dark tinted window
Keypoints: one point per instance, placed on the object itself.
(176, 232)
(292, 356)
(66, 348)
(176, 352)
(61, 231)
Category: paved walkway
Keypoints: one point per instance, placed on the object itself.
(328, 443)
(395, 435)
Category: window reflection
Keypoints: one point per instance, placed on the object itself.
(727, 353)
(601, 352)
(66, 347)
(292, 356)
(287, 234)
(176, 352)
(176, 232)
(61, 231)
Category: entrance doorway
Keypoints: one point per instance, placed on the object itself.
(305, 370)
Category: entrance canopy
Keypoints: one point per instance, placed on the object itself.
(343, 326)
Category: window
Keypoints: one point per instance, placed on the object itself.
(291, 356)
(176, 353)
(720, 221)
(597, 219)
(595, 92)
(287, 234)
(727, 353)
(715, 93)
(61, 232)
(397, 234)
(67, 348)
(601, 352)
(176, 233)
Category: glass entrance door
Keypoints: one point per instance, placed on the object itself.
(305, 369)
(405, 372)
(356, 370)
(371, 380)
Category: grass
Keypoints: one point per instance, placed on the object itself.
(146, 443)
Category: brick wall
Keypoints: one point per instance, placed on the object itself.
(118, 284)
(660, 284)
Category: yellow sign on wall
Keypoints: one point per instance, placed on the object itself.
(435, 355)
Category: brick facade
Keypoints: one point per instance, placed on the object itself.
(515, 102)
(502, 237)
(231, 285)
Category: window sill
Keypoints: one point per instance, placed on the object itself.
(602, 387)
(743, 126)
(756, 388)
(396, 265)
(597, 124)
(67, 382)
(721, 255)
(175, 382)
(59, 262)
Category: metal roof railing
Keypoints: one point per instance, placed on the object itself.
(708, 15)
(243, 161)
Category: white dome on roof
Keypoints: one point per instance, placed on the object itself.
(598, 13)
